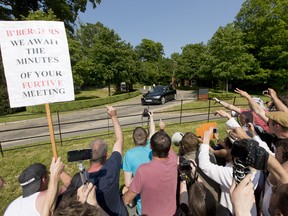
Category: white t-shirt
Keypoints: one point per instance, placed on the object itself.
(23, 206)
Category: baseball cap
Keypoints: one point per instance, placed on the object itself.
(176, 138)
(30, 179)
(279, 117)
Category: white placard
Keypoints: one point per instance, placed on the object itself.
(36, 62)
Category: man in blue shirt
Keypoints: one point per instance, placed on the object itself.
(138, 155)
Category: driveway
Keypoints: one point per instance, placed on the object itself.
(85, 121)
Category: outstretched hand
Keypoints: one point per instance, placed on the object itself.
(242, 196)
(223, 113)
(207, 136)
(111, 111)
(272, 93)
(242, 93)
(161, 125)
(56, 167)
(86, 193)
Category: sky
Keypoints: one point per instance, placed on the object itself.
(172, 23)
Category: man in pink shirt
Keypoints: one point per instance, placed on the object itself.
(156, 181)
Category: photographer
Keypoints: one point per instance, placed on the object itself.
(156, 181)
(104, 172)
(138, 155)
(222, 175)
(198, 200)
(188, 151)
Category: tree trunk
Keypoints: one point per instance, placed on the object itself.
(109, 89)
(226, 84)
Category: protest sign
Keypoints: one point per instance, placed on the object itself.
(36, 62)
(203, 127)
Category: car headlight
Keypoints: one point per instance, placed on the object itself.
(157, 97)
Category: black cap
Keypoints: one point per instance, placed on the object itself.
(30, 179)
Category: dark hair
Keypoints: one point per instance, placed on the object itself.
(189, 143)
(284, 144)
(140, 136)
(201, 200)
(69, 205)
(227, 142)
(160, 144)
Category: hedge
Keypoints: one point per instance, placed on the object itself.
(77, 105)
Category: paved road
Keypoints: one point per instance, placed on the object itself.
(88, 121)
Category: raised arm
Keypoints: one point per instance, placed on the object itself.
(117, 129)
(253, 105)
(276, 170)
(227, 105)
(152, 125)
(56, 168)
(277, 102)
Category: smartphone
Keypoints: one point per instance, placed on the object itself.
(215, 130)
(79, 155)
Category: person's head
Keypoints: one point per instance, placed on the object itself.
(245, 117)
(279, 200)
(33, 179)
(99, 148)
(140, 136)
(281, 153)
(160, 144)
(69, 205)
(282, 98)
(189, 143)
(201, 200)
(278, 123)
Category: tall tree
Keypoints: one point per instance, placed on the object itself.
(265, 24)
(228, 55)
(105, 58)
(149, 50)
(190, 62)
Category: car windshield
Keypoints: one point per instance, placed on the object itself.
(157, 89)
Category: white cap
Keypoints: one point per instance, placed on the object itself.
(176, 138)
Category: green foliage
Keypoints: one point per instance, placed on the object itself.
(64, 10)
(77, 105)
(265, 26)
(149, 50)
(229, 57)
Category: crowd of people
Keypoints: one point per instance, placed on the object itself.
(246, 173)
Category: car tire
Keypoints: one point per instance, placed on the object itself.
(163, 100)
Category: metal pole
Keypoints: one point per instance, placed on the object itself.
(1, 150)
(181, 106)
(209, 106)
(59, 127)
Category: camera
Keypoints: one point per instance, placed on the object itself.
(79, 155)
(265, 92)
(215, 130)
(184, 164)
(146, 113)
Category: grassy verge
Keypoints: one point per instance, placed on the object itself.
(15, 161)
